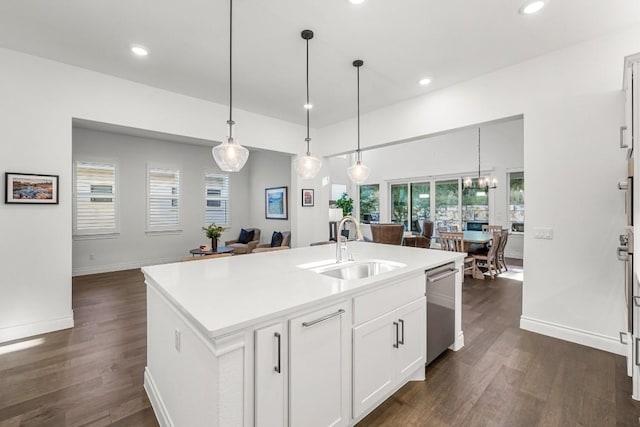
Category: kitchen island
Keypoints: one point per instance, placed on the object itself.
(288, 337)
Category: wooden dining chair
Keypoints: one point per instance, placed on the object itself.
(490, 259)
(198, 258)
(453, 241)
(504, 236)
(492, 228)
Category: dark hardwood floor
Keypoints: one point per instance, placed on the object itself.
(92, 375)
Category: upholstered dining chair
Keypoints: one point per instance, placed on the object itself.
(390, 234)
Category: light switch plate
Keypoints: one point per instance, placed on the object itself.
(543, 233)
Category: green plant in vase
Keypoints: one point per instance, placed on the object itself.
(346, 204)
(213, 232)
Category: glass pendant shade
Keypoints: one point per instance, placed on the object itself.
(230, 155)
(359, 172)
(307, 166)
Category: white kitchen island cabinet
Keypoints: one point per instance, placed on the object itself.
(280, 339)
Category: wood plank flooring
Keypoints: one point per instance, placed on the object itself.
(92, 375)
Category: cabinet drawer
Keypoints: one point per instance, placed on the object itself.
(376, 303)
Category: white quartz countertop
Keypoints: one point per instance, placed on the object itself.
(227, 294)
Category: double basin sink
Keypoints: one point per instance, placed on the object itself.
(353, 270)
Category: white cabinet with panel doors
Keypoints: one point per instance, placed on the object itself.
(387, 351)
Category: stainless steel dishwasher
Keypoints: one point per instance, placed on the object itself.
(440, 309)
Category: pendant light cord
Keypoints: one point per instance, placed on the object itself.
(230, 122)
(478, 156)
(358, 78)
(308, 139)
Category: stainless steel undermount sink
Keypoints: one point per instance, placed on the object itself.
(358, 269)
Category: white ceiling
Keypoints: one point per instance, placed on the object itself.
(400, 42)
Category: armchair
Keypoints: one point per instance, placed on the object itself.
(266, 247)
(245, 248)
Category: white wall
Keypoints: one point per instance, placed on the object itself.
(267, 169)
(453, 153)
(39, 100)
(572, 104)
(133, 247)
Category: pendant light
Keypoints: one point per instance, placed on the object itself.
(230, 155)
(359, 172)
(307, 166)
(482, 184)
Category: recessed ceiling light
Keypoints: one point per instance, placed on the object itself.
(139, 50)
(532, 7)
(356, 1)
(308, 106)
(425, 81)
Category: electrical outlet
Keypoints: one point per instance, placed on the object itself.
(177, 339)
(543, 233)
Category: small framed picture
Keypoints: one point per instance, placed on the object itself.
(31, 189)
(307, 197)
(275, 203)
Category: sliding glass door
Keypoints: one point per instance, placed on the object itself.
(399, 204)
(447, 213)
(420, 204)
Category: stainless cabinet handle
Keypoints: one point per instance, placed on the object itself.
(323, 318)
(622, 130)
(636, 301)
(623, 335)
(636, 349)
(441, 276)
(401, 339)
(397, 342)
(278, 368)
(620, 251)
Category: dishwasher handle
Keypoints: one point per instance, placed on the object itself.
(441, 276)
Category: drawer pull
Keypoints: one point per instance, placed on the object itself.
(622, 144)
(401, 339)
(323, 318)
(637, 362)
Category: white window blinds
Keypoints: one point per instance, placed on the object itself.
(95, 198)
(163, 199)
(216, 199)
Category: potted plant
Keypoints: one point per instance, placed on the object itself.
(346, 204)
(213, 232)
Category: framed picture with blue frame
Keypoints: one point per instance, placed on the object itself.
(276, 205)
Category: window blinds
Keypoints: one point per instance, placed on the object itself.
(216, 199)
(163, 204)
(95, 198)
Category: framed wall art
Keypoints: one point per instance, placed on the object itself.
(307, 197)
(276, 203)
(31, 189)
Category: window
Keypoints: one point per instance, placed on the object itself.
(447, 213)
(94, 199)
(216, 188)
(516, 201)
(475, 204)
(420, 204)
(399, 204)
(370, 203)
(163, 199)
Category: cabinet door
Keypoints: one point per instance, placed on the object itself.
(319, 367)
(374, 356)
(411, 351)
(269, 376)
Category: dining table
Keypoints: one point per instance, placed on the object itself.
(471, 237)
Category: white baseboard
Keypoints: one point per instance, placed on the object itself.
(156, 402)
(83, 271)
(30, 329)
(578, 336)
